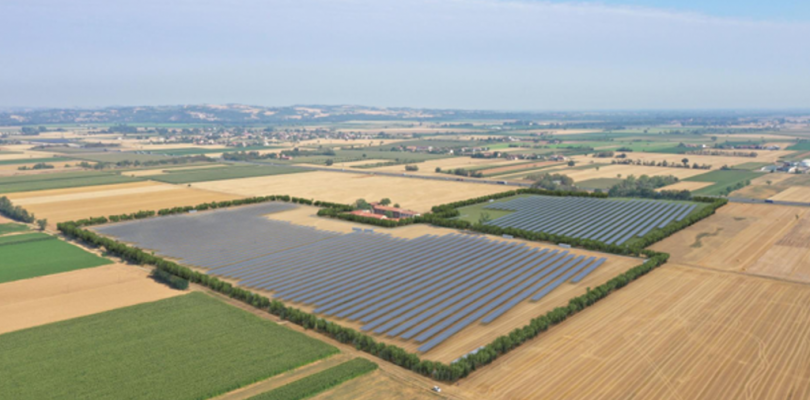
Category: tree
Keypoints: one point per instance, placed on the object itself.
(438, 169)
(42, 223)
(571, 163)
(597, 168)
(396, 205)
(484, 218)
(768, 182)
(362, 204)
(389, 214)
(329, 162)
(685, 161)
(386, 201)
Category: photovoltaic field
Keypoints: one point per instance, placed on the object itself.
(608, 221)
(424, 289)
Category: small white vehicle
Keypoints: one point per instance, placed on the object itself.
(437, 389)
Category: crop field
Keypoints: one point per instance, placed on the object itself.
(35, 254)
(117, 156)
(796, 193)
(11, 227)
(76, 203)
(717, 162)
(186, 347)
(171, 169)
(758, 239)
(25, 183)
(222, 173)
(768, 185)
(29, 160)
(608, 221)
(377, 385)
(623, 171)
(678, 333)
(322, 381)
(58, 297)
(722, 180)
(446, 164)
(188, 151)
(415, 194)
(599, 183)
(423, 290)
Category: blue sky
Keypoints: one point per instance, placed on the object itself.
(473, 54)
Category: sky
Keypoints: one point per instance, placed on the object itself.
(523, 55)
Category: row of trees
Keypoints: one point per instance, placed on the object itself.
(644, 186)
(462, 172)
(36, 166)
(16, 213)
(665, 163)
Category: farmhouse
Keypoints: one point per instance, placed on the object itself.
(380, 209)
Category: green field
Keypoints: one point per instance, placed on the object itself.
(803, 146)
(186, 347)
(319, 382)
(34, 160)
(751, 166)
(117, 156)
(220, 173)
(473, 213)
(12, 227)
(207, 150)
(24, 183)
(722, 179)
(599, 183)
(37, 254)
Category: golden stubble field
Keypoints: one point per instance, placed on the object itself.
(677, 333)
(60, 205)
(42, 300)
(757, 239)
(412, 193)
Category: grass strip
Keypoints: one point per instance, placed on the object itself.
(319, 382)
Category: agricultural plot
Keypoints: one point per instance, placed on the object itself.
(375, 386)
(608, 221)
(678, 333)
(63, 180)
(722, 180)
(759, 239)
(77, 203)
(423, 290)
(172, 349)
(118, 156)
(31, 160)
(622, 171)
(58, 297)
(320, 381)
(11, 227)
(414, 194)
(35, 254)
(223, 173)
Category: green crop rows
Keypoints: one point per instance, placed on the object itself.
(319, 382)
(36, 254)
(24, 183)
(186, 347)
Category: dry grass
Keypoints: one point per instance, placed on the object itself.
(429, 167)
(416, 194)
(678, 333)
(716, 162)
(161, 171)
(795, 193)
(614, 171)
(76, 203)
(748, 238)
(685, 185)
(51, 298)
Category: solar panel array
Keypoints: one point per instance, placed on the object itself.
(426, 289)
(608, 221)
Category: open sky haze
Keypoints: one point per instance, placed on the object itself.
(478, 54)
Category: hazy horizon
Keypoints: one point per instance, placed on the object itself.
(474, 55)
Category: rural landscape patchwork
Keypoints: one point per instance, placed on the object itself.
(371, 253)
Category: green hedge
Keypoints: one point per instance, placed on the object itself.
(311, 385)
(16, 213)
(169, 279)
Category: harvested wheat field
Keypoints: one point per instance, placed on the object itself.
(75, 203)
(759, 239)
(795, 193)
(686, 185)
(623, 171)
(51, 298)
(716, 161)
(429, 167)
(518, 167)
(767, 185)
(164, 170)
(412, 193)
(677, 333)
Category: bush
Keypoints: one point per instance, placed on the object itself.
(16, 213)
(169, 279)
